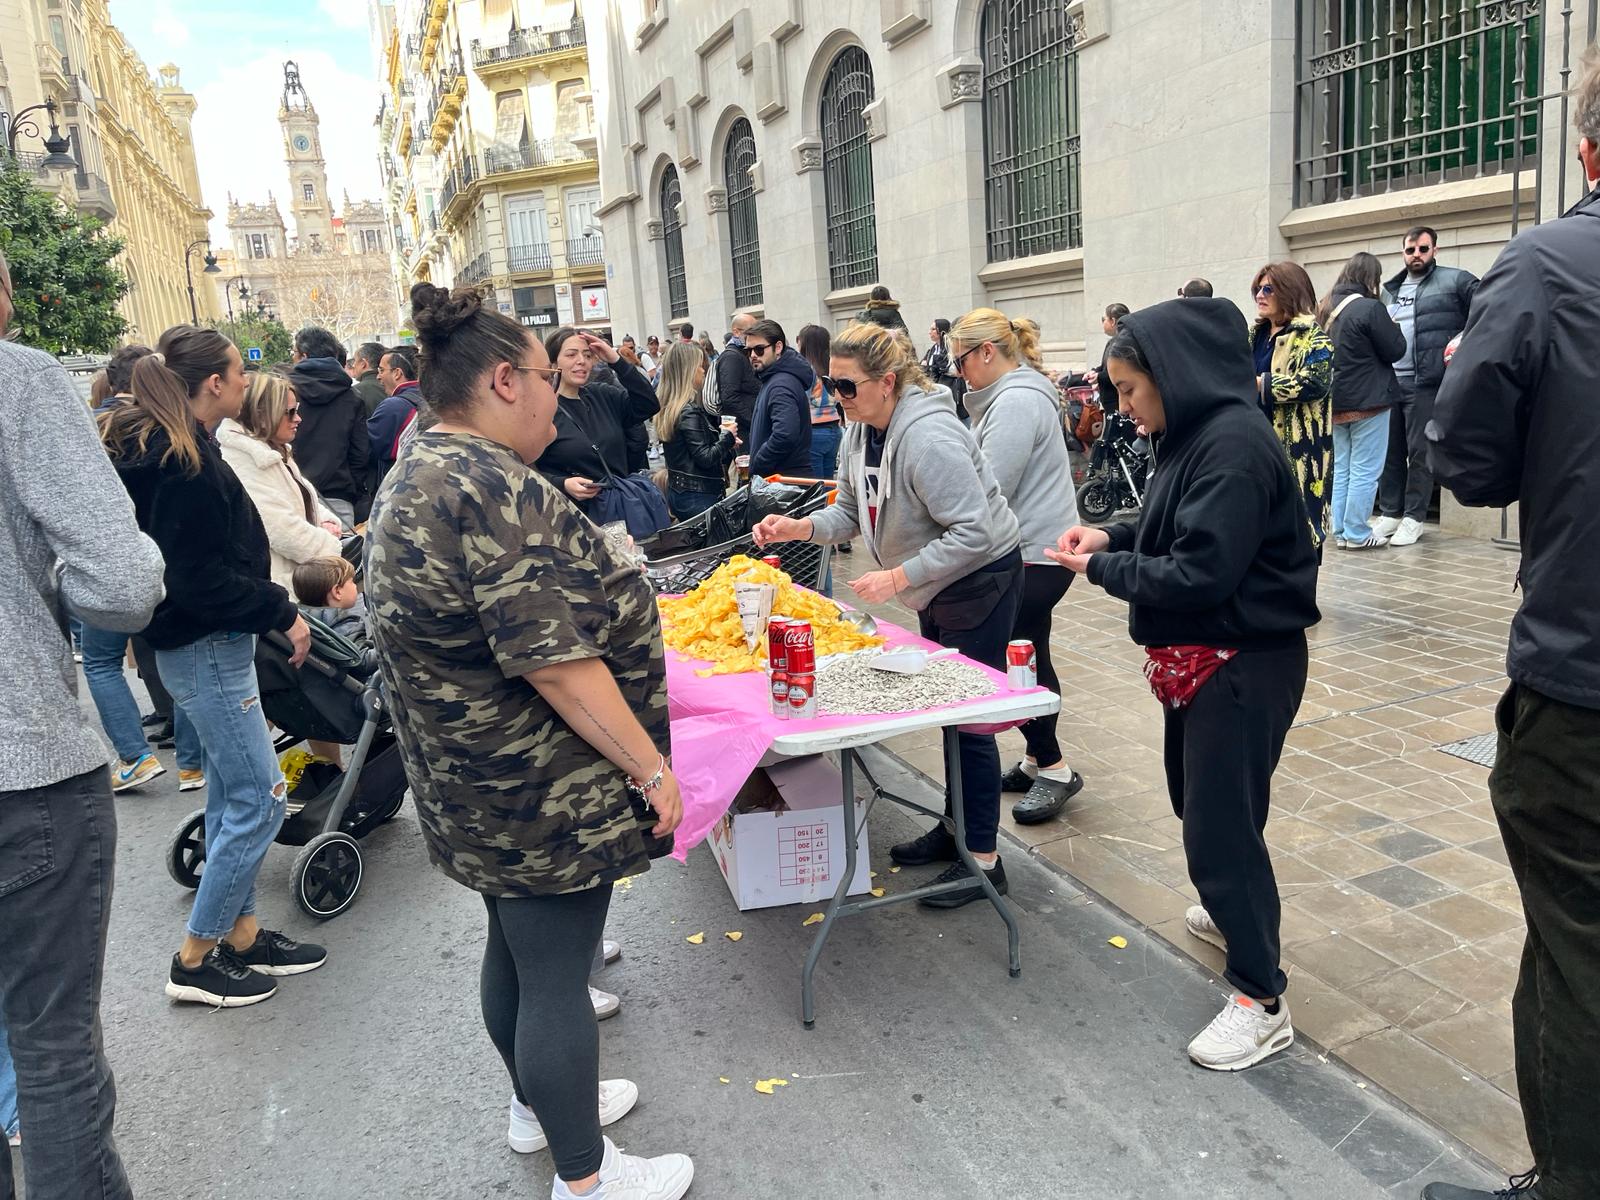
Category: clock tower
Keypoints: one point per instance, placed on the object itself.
(310, 204)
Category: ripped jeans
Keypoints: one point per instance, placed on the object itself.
(214, 682)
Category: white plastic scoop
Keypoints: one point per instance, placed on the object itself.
(910, 661)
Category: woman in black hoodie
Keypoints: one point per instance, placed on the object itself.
(1220, 576)
(220, 596)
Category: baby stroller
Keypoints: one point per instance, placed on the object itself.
(335, 696)
(682, 556)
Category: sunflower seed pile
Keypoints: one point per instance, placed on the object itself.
(850, 687)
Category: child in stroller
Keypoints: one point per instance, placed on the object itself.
(326, 589)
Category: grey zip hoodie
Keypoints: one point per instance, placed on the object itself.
(940, 512)
(1017, 421)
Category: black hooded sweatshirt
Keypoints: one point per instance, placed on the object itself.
(331, 448)
(1221, 555)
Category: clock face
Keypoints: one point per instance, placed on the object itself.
(301, 142)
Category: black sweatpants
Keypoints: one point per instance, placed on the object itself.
(1546, 792)
(1043, 586)
(150, 676)
(1221, 752)
(975, 615)
(536, 1007)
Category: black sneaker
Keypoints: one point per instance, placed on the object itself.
(154, 718)
(161, 735)
(220, 980)
(1016, 780)
(1045, 800)
(937, 845)
(274, 954)
(1522, 1187)
(966, 895)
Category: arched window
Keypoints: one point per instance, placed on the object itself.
(847, 170)
(1030, 126)
(672, 242)
(745, 237)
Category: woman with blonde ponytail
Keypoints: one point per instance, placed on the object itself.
(1017, 423)
(220, 597)
(915, 489)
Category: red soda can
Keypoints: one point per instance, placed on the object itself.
(778, 682)
(802, 695)
(1021, 665)
(799, 648)
(777, 656)
(773, 561)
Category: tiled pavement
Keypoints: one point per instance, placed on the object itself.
(1401, 924)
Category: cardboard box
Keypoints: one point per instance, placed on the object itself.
(782, 839)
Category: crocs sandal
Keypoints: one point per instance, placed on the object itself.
(1045, 800)
(1016, 780)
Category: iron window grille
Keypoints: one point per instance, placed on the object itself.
(1395, 94)
(847, 170)
(672, 243)
(744, 235)
(1032, 175)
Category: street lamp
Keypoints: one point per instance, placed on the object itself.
(211, 268)
(56, 146)
(244, 295)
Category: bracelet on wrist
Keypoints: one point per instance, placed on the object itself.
(644, 787)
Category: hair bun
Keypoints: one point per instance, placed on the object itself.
(437, 313)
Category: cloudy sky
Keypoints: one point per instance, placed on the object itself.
(232, 60)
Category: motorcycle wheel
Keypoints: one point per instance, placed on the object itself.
(1097, 499)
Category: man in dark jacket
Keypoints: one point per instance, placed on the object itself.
(332, 447)
(1429, 303)
(780, 431)
(737, 385)
(399, 409)
(363, 368)
(1516, 422)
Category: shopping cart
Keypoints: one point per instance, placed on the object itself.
(682, 556)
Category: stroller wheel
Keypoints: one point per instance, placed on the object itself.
(326, 875)
(186, 852)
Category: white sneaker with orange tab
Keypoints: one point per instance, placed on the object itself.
(1242, 1034)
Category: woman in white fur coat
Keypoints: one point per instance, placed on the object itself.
(256, 445)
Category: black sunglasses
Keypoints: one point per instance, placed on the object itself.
(845, 389)
(962, 357)
(756, 349)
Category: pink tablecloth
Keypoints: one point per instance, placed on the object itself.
(723, 724)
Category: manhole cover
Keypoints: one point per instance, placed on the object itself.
(1480, 749)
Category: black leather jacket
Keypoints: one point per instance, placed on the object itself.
(699, 453)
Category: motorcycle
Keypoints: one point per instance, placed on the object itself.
(1119, 467)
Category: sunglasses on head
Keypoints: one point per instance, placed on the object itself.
(845, 389)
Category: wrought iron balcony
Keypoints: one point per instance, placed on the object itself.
(546, 152)
(586, 252)
(94, 196)
(475, 271)
(529, 43)
(526, 259)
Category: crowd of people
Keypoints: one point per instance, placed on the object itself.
(522, 659)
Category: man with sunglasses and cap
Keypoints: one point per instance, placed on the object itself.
(780, 430)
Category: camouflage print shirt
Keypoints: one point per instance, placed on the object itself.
(479, 572)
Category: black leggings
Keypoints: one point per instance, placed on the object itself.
(1043, 586)
(536, 1007)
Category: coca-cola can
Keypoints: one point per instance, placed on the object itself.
(777, 655)
(799, 648)
(802, 695)
(773, 561)
(1022, 670)
(778, 683)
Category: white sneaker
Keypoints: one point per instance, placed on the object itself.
(610, 951)
(143, 769)
(605, 1004)
(1385, 526)
(1409, 531)
(1241, 1035)
(628, 1177)
(617, 1098)
(1371, 542)
(1199, 924)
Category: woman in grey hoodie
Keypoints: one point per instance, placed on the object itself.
(915, 489)
(1017, 420)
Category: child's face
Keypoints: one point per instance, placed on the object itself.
(345, 595)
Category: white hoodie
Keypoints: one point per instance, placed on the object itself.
(274, 486)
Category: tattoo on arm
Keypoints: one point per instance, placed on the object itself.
(634, 766)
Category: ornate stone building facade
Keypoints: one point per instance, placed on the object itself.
(132, 143)
(333, 270)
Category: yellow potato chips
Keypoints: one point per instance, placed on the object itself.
(705, 623)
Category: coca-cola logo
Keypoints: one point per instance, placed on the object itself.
(797, 635)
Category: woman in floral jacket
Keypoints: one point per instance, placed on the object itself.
(1294, 378)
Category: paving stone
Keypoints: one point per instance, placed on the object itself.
(1469, 918)
(1401, 843)
(1402, 886)
(1402, 937)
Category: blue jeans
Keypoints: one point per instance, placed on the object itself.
(825, 441)
(1359, 448)
(213, 682)
(684, 505)
(8, 1084)
(103, 660)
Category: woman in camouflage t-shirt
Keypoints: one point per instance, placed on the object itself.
(524, 667)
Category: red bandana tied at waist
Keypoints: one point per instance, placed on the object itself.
(1176, 673)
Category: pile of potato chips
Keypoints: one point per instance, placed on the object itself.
(705, 624)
